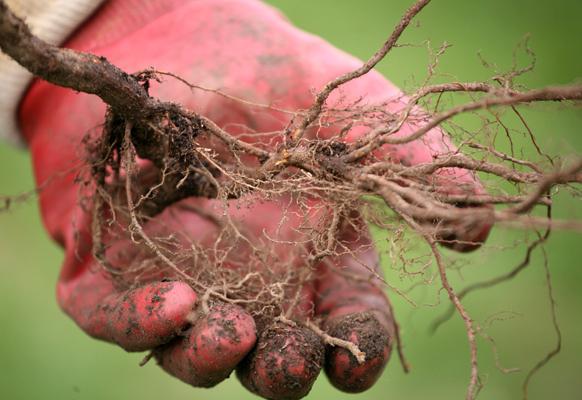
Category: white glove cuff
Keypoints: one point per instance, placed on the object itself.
(52, 21)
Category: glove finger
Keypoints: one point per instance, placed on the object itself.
(284, 364)
(354, 308)
(372, 338)
(137, 319)
(216, 343)
(464, 236)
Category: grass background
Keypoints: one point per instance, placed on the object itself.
(43, 355)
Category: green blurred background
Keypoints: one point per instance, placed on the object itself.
(43, 355)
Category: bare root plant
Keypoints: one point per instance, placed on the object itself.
(153, 154)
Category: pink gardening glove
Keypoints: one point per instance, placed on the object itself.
(248, 50)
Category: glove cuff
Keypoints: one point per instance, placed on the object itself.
(52, 21)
